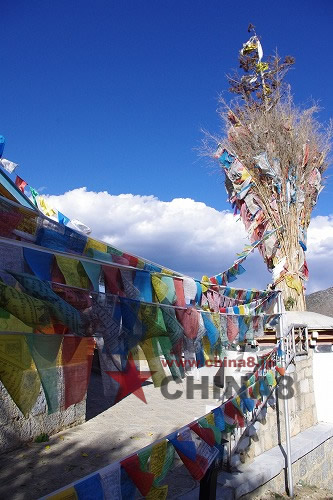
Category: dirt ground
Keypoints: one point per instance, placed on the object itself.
(300, 492)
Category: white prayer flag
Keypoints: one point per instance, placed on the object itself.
(8, 165)
(80, 226)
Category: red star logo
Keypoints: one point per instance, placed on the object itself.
(130, 381)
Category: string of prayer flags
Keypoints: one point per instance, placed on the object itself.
(148, 468)
(204, 455)
(57, 309)
(236, 269)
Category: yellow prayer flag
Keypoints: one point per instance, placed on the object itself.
(160, 288)
(245, 175)
(241, 309)
(18, 372)
(205, 283)
(157, 457)
(73, 272)
(45, 208)
(159, 493)
(95, 245)
(261, 66)
(206, 347)
(294, 282)
(167, 271)
(210, 419)
(154, 362)
(69, 494)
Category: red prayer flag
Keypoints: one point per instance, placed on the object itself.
(196, 468)
(77, 355)
(206, 434)
(281, 370)
(113, 281)
(231, 411)
(20, 183)
(142, 480)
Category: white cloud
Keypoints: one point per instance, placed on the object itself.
(320, 252)
(186, 235)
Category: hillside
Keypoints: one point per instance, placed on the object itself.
(321, 302)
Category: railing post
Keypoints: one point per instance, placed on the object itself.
(209, 482)
(285, 402)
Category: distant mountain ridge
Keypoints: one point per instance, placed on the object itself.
(320, 302)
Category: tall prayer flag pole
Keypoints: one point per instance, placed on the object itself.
(274, 156)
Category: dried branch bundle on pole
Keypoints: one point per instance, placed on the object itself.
(274, 155)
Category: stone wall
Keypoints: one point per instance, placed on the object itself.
(15, 429)
(314, 469)
(302, 410)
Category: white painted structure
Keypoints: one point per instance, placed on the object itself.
(323, 385)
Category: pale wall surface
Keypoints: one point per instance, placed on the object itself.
(15, 429)
(323, 385)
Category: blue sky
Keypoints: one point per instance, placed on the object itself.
(112, 95)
